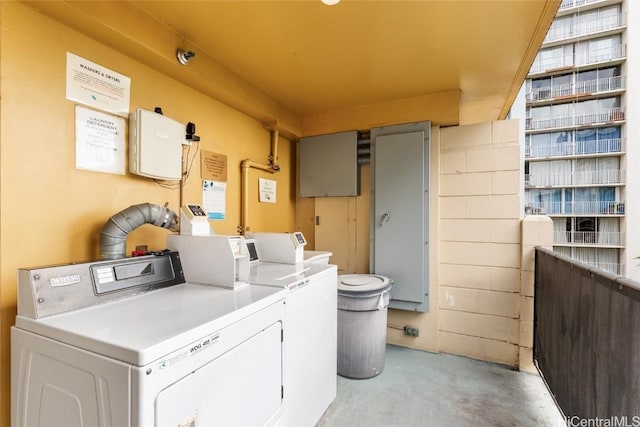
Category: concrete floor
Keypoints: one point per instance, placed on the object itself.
(417, 388)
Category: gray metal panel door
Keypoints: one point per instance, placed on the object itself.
(329, 165)
(400, 214)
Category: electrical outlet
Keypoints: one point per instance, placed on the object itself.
(142, 248)
(411, 331)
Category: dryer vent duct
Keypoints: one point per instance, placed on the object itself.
(113, 237)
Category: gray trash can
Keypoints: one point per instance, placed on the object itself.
(362, 324)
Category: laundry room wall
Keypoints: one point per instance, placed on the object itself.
(51, 212)
(474, 228)
(480, 241)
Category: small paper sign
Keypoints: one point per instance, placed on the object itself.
(267, 190)
(213, 166)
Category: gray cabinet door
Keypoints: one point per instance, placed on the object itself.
(400, 214)
(329, 165)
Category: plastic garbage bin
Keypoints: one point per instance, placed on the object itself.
(362, 324)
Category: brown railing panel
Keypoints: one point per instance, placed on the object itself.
(587, 338)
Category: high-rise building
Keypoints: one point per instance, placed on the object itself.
(581, 152)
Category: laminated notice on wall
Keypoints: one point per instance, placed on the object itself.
(99, 141)
(267, 190)
(96, 86)
(213, 198)
(213, 166)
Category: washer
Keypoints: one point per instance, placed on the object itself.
(311, 334)
(129, 343)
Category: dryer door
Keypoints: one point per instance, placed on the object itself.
(243, 387)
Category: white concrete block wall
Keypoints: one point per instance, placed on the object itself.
(479, 248)
(537, 230)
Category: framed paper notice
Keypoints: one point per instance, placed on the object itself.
(99, 141)
(96, 86)
(213, 166)
(213, 198)
(267, 190)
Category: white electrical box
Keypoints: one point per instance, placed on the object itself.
(155, 145)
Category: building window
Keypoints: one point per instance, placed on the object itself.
(598, 50)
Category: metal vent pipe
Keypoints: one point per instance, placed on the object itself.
(113, 237)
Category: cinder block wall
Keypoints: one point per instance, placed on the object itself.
(537, 230)
(479, 241)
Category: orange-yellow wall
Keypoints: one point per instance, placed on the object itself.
(51, 212)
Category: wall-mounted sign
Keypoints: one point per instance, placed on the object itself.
(99, 141)
(213, 198)
(213, 166)
(96, 86)
(267, 190)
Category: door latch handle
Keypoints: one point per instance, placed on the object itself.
(385, 219)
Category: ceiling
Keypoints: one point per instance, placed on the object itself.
(292, 63)
(313, 58)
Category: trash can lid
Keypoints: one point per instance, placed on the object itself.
(363, 283)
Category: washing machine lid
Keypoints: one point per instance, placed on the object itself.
(286, 275)
(352, 284)
(317, 256)
(145, 327)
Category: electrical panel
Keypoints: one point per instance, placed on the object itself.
(329, 165)
(400, 217)
(155, 145)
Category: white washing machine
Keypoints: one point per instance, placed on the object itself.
(129, 343)
(310, 336)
